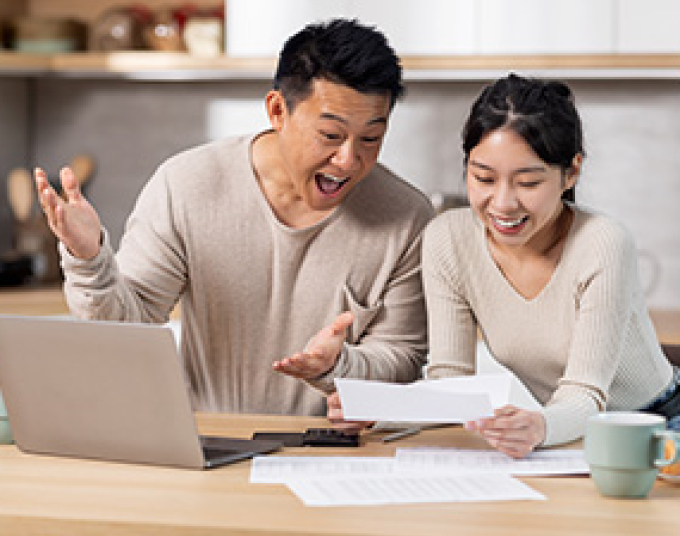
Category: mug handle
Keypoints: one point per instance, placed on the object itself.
(667, 435)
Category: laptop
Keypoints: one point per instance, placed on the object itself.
(105, 390)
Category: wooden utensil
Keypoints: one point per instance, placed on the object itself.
(82, 166)
(20, 193)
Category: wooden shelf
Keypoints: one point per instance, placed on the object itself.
(18, 63)
(586, 66)
(184, 67)
(136, 64)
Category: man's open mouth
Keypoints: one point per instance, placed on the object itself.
(329, 184)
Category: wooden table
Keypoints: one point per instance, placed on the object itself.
(60, 496)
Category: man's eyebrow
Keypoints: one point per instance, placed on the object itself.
(333, 117)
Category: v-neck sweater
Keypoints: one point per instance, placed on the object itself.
(253, 290)
(584, 344)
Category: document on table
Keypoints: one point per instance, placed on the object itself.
(405, 489)
(281, 469)
(461, 461)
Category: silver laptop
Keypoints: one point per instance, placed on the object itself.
(105, 390)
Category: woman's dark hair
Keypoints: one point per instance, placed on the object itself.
(542, 112)
(340, 51)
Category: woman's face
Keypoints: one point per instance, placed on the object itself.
(513, 192)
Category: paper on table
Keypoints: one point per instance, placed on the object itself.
(280, 469)
(447, 400)
(402, 489)
(461, 461)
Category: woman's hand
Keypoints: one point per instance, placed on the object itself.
(334, 415)
(513, 431)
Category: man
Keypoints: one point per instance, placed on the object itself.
(266, 239)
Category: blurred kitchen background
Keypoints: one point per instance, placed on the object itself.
(124, 113)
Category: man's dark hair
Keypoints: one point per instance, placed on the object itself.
(340, 51)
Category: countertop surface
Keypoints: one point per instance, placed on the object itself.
(50, 301)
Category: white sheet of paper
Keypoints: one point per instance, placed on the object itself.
(280, 469)
(405, 489)
(503, 388)
(462, 461)
(496, 386)
(364, 400)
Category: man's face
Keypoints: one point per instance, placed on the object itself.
(330, 141)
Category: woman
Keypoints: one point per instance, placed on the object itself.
(553, 288)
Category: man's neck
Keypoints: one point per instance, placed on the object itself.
(277, 187)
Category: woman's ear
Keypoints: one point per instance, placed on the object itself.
(574, 171)
(276, 108)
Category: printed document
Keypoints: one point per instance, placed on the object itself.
(462, 461)
(281, 469)
(405, 489)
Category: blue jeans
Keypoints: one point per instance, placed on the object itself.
(671, 393)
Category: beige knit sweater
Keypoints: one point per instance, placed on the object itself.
(585, 343)
(253, 290)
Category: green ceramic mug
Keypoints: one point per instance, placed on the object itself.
(625, 450)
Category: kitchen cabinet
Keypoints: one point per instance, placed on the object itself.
(555, 27)
(414, 27)
(648, 27)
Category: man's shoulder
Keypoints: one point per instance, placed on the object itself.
(209, 154)
(388, 194)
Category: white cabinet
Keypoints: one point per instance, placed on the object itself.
(260, 27)
(649, 26)
(413, 27)
(422, 27)
(468, 27)
(545, 27)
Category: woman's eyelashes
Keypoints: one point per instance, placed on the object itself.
(522, 184)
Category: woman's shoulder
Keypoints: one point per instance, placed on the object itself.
(452, 224)
(594, 230)
(452, 234)
(598, 243)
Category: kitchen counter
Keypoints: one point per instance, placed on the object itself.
(33, 301)
(50, 301)
(38, 301)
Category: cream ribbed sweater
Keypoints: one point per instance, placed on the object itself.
(584, 343)
(253, 290)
